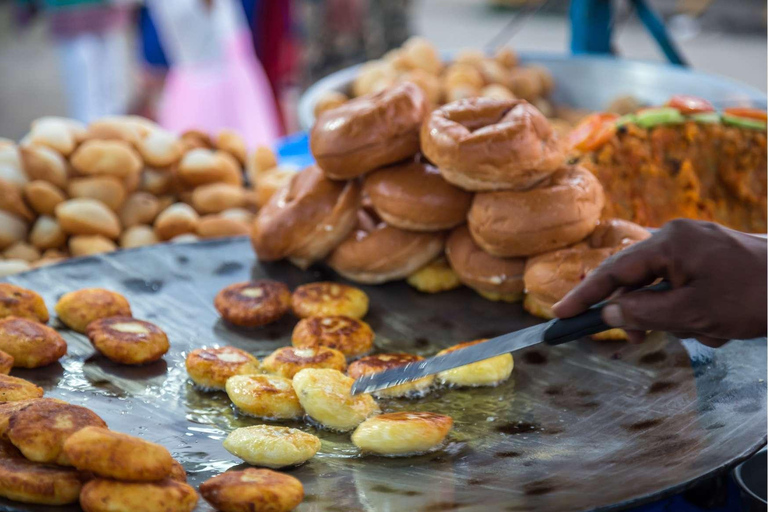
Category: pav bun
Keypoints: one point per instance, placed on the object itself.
(499, 279)
(414, 196)
(559, 212)
(369, 132)
(491, 144)
(307, 219)
(549, 276)
(376, 252)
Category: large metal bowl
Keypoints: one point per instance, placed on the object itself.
(590, 82)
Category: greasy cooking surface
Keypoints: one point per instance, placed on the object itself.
(585, 425)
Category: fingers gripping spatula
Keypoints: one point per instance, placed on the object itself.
(554, 332)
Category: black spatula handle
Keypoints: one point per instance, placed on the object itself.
(589, 322)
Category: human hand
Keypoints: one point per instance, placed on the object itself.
(718, 279)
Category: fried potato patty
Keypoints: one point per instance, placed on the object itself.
(125, 340)
(178, 472)
(13, 389)
(114, 455)
(253, 303)
(326, 397)
(6, 362)
(253, 490)
(264, 396)
(287, 361)
(402, 433)
(271, 446)
(329, 299)
(31, 482)
(435, 277)
(380, 362)
(490, 372)
(209, 368)
(350, 336)
(18, 301)
(8, 409)
(40, 429)
(102, 495)
(31, 343)
(79, 308)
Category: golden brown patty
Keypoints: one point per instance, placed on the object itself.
(402, 433)
(126, 340)
(13, 389)
(177, 472)
(114, 455)
(6, 362)
(264, 396)
(31, 343)
(253, 303)
(8, 409)
(327, 299)
(380, 362)
(18, 301)
(253, 490)
(79, 308)
(489, 372)
(350, 336)
(210, 368)
(30, 482)
(287, 361)
(40, 429)
(102, 495)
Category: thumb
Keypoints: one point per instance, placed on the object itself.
(647, 310)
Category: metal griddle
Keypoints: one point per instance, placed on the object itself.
(589, 425)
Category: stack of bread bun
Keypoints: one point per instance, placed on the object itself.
(471, 74)
(481, 181)
(68, 189)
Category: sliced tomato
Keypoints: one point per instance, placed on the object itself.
(592, 132)
(690, 104)
(749, 113)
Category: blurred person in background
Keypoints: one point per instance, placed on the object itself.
(92, 43)
(215, 80)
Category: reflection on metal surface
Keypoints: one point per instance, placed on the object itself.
(570, 419)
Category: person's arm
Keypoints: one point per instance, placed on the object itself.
(718, 278)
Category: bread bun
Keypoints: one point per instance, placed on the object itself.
(86, 216)
(12, 229)
(201, 166)
(559, 212)
(106, 158)
(490, 144)
(329, 101)
(307, 219)
(549, 276)
(160, 148)
(43, 196)
(217, 197)
(369, 132)
(108, 190)
(379, 253)
(493, 278)
(88, 245)
(231, 142)
(22, 251)
(177, 219)
(414, 196)
(47, 233)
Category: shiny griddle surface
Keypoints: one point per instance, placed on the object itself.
(583, 426)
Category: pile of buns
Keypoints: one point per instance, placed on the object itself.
(483, 181)
(471, 74)
(67, 189)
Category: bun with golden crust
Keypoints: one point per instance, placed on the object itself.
(493, 278)
(414, 196)
(376, 252)
(306, 219)
(491, 144)
(549, 276)
(369, 132)
(559, 212)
